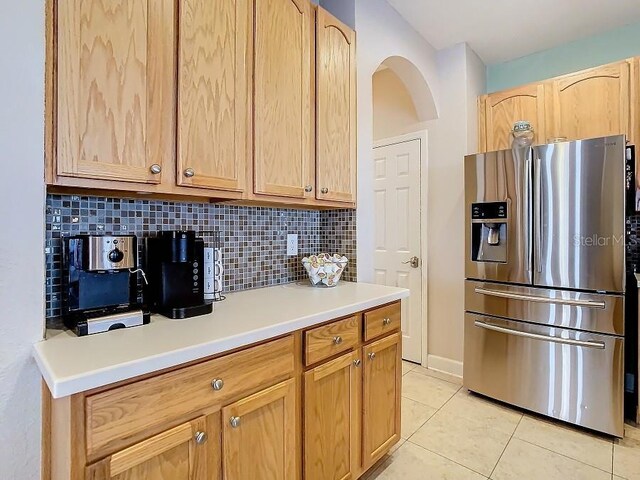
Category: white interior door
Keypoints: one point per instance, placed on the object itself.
(397, 233)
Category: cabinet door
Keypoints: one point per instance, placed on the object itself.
(213, 93)
(115, 89)
(336, 134)
(177, 454)
(259, 435)
(381, 397)
(331, 419)
(593, 103)
(283, 148)
(503, 109)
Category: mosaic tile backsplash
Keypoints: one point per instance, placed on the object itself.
(251, 237)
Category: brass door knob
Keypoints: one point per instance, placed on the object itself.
(386, 321)
(372, 355)
(337, 340)
(201, 437)
(235, 422)
(357, 362)
(217, 384)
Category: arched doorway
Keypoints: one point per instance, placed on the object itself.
(402, 107)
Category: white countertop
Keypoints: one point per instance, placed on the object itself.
(71, 364)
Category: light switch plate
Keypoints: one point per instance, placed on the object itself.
(292, 244)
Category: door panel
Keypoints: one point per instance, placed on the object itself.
(503, 109)
(336, 109)
(261, 442)
(593, 103)
(172, 455)
(593, 312)
(283, 147)
(580, 213)
(381, 397)
(331, 420)
(115, 89)
(577, 377)
(503, 176)
(213, 93)
(397, 233)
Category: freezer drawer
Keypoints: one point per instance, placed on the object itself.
(572, 376)
(592, 312)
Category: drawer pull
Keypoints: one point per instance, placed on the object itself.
(372, 355)
(201, 437)
(386, 322)
(536, 298)
(217, 384)
(357, 362)
(337, 340)
(235, 422)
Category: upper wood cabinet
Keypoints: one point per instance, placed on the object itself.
(592, 103)
(283, 85)
(336, 133)
(331, 420)
(381, 397)
(213, 141)
(499, 111)
(177, 454)
(115, 90)
(259, 435)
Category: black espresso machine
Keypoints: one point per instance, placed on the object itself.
(174, 264)
(100, 284)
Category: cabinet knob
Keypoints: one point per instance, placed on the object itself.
(357, 362)
(155, 169)
(189, 172)
(337, 340)
(308, 189)
(324, 190)
(201, 437)
(372, 355)
(217, 384)
(386, 321)
(235, 422)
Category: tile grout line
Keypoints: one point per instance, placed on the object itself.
(447, 458)
(505, 446)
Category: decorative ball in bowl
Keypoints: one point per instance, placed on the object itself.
(324, 270)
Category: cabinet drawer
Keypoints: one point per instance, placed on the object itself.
(328, 340)
(150, 405)
(381, 321)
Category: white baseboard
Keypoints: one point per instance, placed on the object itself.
(444, 365)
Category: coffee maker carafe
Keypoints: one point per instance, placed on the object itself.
(174, 262)
(99, 284)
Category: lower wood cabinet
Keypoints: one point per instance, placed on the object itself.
(331, 420)
(381, 397)
(259, 435)
(177, 454)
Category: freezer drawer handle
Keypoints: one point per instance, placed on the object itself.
(535, 298)
(536, 336)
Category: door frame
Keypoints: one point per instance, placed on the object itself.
(422, 136)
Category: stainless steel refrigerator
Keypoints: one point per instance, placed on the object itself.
(545, 279)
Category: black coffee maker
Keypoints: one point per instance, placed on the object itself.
(174, 264)
(100, 290)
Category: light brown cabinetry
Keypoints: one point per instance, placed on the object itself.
(213, 123)
(252, 413)
(331, 420)
(115, 89)
(259, 435)
(591, 103)
(381, 397)
(283, 147)
(335, 109)
(499, 111)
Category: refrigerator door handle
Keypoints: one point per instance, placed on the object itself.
(538, 214)
(536, 298)
(528, 220)
(537, 336)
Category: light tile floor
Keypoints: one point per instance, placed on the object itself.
(448, 433)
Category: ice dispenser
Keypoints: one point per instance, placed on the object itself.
(489, 232)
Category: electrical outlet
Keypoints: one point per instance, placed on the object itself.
(292, 244)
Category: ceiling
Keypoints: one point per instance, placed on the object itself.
(501, 30)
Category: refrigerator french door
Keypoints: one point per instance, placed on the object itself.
(545, 253)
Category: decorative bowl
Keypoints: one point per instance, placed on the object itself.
(324, 270)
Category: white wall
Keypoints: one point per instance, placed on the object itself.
(394, 113)
(21, 234)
